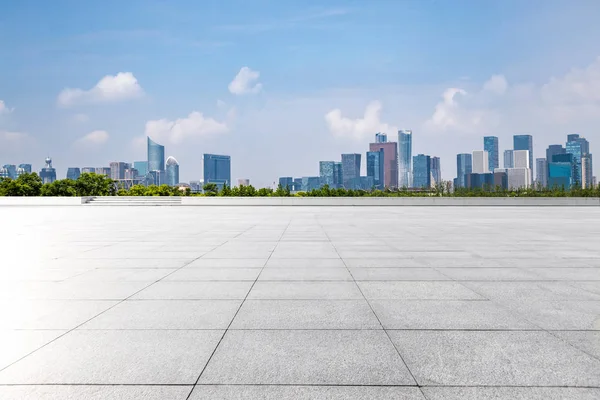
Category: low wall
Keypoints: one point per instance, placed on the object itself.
(390, 201)
(42, 201)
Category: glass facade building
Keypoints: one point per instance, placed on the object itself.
(327, 173)
(73, 173)
(156, 156)
(48, 174)
(525, 142)
(310, 183)
(287, 181)
(560, 174)
(421, 171)
(351, 170)
(380, 137)
(25, 167)
(141, 166)
(541, 168)
(509, 159)
(390, 162)
(297, 184)
(217, 169)
(117, 170)
(579, 147)
(480, 181)
(464, 166)
(436, 171)
(10, 171)
(338, 174)
(172, 172)
(375, 167)
(490, 144)
(405, 158)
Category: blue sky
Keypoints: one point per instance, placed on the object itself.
(167, 69)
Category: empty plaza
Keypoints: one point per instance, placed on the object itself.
(264, 302)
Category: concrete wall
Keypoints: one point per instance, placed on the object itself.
(41, 201)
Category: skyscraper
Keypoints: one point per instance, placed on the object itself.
(156, 156)
(579, 147)
(561, 171)
(88, 170)
(11, 170)
(287, 181)
(117, 170)
(141, 166)
(73, 173)
(351, 170)
(509, 160)
(4, 173)
(552, 150)
(375, 170)
(422, 171)
(380, 137)
(338, 179)
(490, 144)
(103, 171)
(481, 164)
(541, 167)
(48, 174)
(326, 173)
(464, 166)
(586, 171)
(217, 169)
(405, 158)
(390, 162)
(25, 167)
(172, 171)
(521, 159)
(525, 142)
(436, 171)
(310, 183)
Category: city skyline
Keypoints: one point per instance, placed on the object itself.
(68, 93)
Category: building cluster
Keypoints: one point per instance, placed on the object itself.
(388, 165)
(564, 167)
(154, 171)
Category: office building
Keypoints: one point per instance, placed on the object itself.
(554, 149)
(172, 171)
(561, 171)
(196, 186)
(73, 173)
(4, 173)
(155, 177)
(484, 181)
(10, 170)
(133, 174)
(375, 160)
(156, 156)
(367, 183)
(586, 171)
(217, 169)
(509, 161)
(464, 166)
(541, 168)
(351, 170)
(338, 174)
(327, 173)
(310, 183)
(405, 159)
(436, 171)
(490, 144)
(287, 181)
(500, 179)
(421, 171)
(26, 169)
(518, 178)
(141, 166)
(521, 159)
(297, 185)
(117, 170)
(525, 142)
(480, 162)
(48, 174)
(579, 147)
(103, 171)
(380, 137)
(390, 162)
(88, 170)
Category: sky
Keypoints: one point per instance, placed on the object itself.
(281, 85)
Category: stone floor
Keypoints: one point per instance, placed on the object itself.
(299, 303)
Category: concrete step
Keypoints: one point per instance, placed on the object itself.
(134, 201)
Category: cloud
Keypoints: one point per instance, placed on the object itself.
(360, 127)
(4, 109)
(245, 82)
(80, 118)
(496, 84)
(92, 139)
(175, 132)
(120, 87)
(11, 141)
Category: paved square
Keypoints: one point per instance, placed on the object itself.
(418, 303)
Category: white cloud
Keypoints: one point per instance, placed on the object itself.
(245, 82)
(10, 140)
(194, 125)
(123, 86)
(496, 84)
(4, 109)
(358, 128)
(92, 139)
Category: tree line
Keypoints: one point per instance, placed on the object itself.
(91, 184)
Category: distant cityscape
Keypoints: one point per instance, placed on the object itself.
(388, 165)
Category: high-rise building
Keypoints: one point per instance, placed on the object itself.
(509, 160)
(351, 170)
(464, 166)
(541, 167)
(586, 171)
(297, 184)
(480, 181)
(490, 144)
(172, 171)
(436, 171)
(88, 170)
(421, 171)
(11, 170)
(380, 137)
(375, 160)
(103, 171)
(25, 167)
(338, 179)
(525, 142)
(217, 169)
(133, 174)
(287, 181)
(561, 171)
(117, 170)
(405, 159)
(579, 147)
(48, 174)
(521, 159)
(367, 182)
(4, 173)
(73, 173)
(390, 162)
(311, 183)
(156, 156)
(480, 162)
(326, 173)
(554, 149)
(518, 178)
(141, 166)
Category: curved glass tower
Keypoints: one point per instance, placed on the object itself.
(172, 171)
(156, 156)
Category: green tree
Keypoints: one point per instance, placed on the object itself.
(62, 188)
(137, 190)
(211, 189)
(91, 184)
